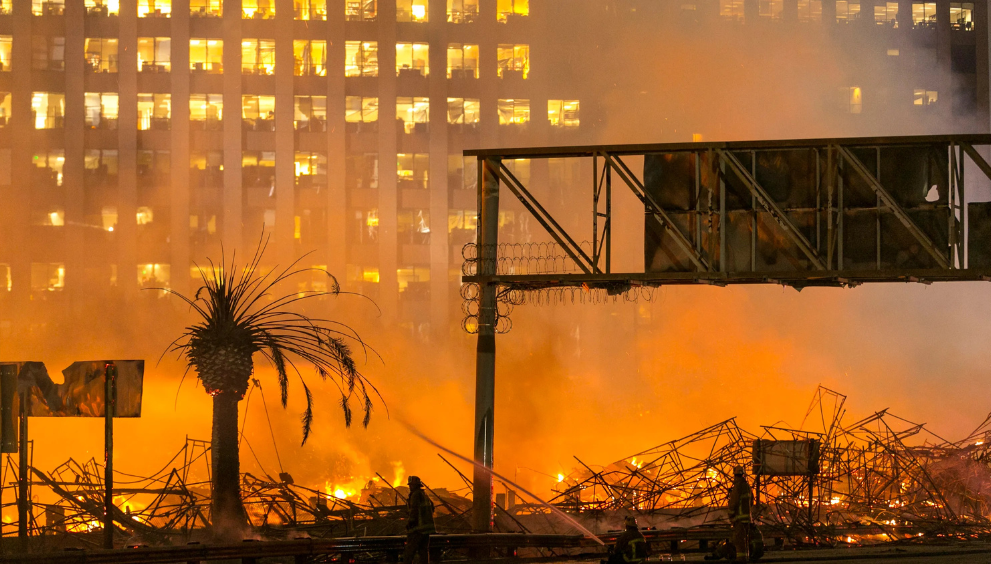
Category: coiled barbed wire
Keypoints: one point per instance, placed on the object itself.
(525, 258)
(537, 258)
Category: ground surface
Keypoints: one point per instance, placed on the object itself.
(967, 553)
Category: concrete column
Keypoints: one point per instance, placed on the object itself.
(388, 195)
(17, 214)
(488, 68)
(179, 157)
(439, 254)
(76, 257)
(336, 150)
(232, 225)
(285, 153)
(127, 144)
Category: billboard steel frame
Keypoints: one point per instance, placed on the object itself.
(824, 256)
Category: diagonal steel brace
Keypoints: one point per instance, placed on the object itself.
(771, 207)
(890, 202)
(658, 214)
(545, 219)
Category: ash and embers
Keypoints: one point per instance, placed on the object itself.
(882, 478)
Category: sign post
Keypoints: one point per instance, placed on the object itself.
(110, 395)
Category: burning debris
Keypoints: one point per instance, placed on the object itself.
(877, 479)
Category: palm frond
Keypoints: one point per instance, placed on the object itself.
(241, 309)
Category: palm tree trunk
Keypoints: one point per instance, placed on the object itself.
(229, 519)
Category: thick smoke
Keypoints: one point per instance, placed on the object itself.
(601, 381)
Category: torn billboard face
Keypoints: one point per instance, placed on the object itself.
(83, 392)
(802, 207)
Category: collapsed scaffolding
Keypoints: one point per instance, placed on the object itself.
(881, 478)
(883, 475)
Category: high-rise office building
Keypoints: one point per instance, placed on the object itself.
(137, 136)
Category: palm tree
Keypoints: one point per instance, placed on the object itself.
(238, 316)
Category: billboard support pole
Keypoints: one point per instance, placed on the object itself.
(110, 406)
(22, 469)
(488, 240)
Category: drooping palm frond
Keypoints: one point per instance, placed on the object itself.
(240, 310)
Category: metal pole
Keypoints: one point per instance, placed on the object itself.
(110, 400)
(488, 240)
(22, 470)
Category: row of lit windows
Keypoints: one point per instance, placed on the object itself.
(154, 54)
(458, 11)
(851, 99)
(885, 13)
(154, 111)
(50, 276)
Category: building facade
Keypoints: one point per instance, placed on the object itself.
(137, 137)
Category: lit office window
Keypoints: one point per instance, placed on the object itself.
(361, 10)
(310, 57)
(206, 8)
(4, 108)
(100, 110)
(411, 277)
(258, 112)
(847, 11)
(770, 9)
(924, 15)
(462, 11)
(731, 10)
(154, 111)
(361, 171)
(6, 281)
(852, 99)
(962, 15)
(49, 165)
(507, 10)
(413, 228)
(102, 7)
(514, 111)
(886, 14)
(154, 8)
(48, 109)
(311, 168)
(413, 170)
(810, 11)
(310, 113)
(154, 54)
(6, 43)
(258, 56)
(100, 166)
(48, 7)
(154, 275)
(310, 9)
(47, 276)
(257, 9)
(360, 109)
(47, 53)
(207, 111)
(413, 112)
(206, 55)
(413, 57)
(412, 11)
(361, 58)
(153, 167)
(563, 113)
(515, 59)
(462, 110)
(462, 61)
(100, 53)
(5, 7)
(925, 97)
